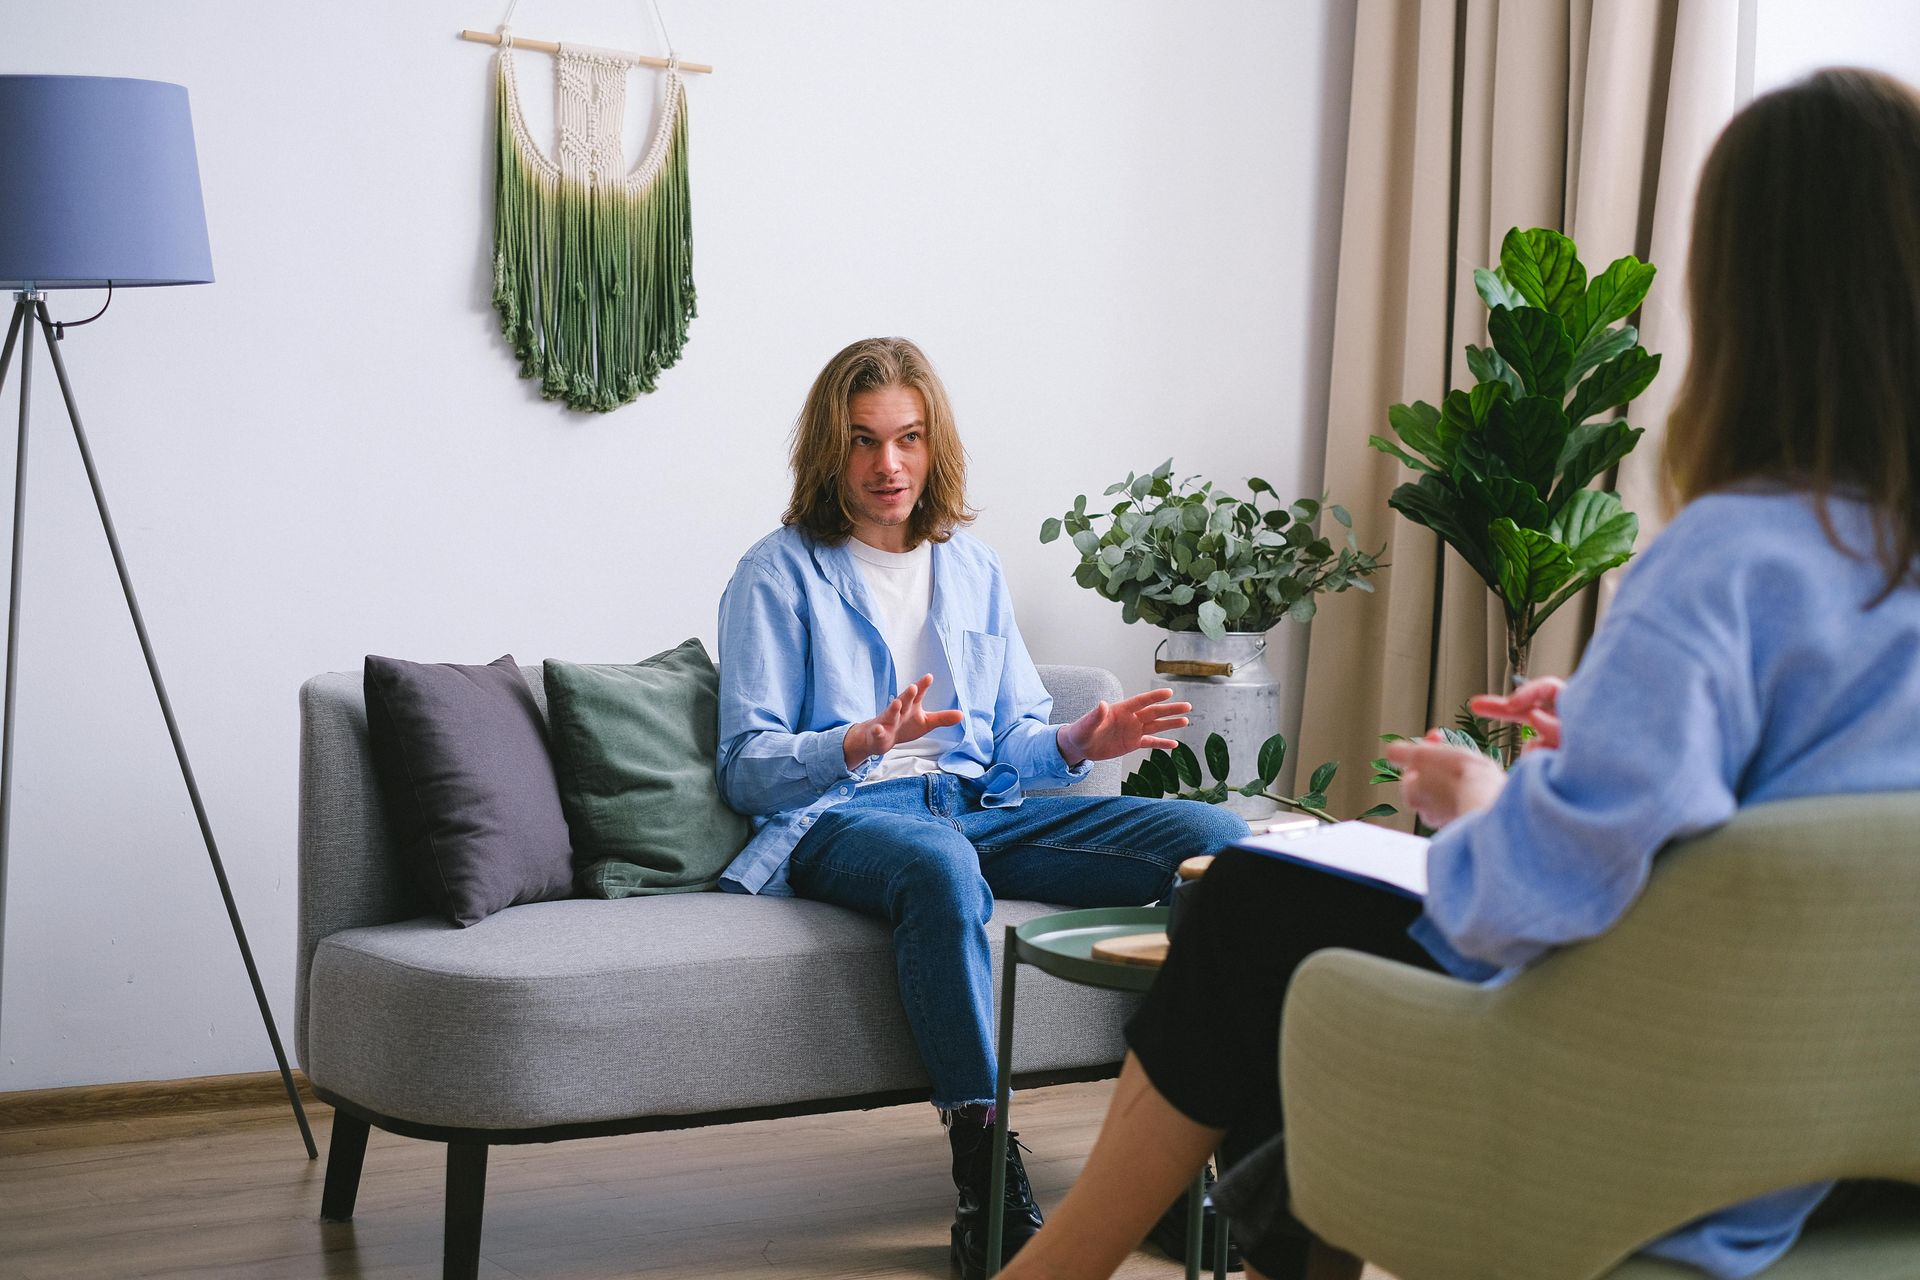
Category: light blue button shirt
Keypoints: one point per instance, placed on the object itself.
(801, 660)
(1738, 664)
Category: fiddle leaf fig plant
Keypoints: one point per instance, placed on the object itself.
(1504, 465)
(1190, 557)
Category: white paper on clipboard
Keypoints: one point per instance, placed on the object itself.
(1359, 851)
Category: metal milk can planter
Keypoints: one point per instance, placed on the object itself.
(1234, 694)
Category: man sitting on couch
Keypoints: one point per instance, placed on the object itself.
(910, 806)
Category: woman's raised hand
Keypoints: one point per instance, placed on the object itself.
(1441, 781)
(1534, 703)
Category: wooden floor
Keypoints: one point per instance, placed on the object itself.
(231, 1196)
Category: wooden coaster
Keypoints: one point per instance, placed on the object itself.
(1195, 867)
(1148, 950)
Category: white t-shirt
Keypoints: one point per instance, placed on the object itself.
(901, 587)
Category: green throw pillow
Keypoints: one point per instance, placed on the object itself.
(633, 751)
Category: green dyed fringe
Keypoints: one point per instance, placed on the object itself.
(594, 287)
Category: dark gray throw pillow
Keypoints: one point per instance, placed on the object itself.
(461, 755)
(633, 747)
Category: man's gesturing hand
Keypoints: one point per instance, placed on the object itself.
(904, 720)
(1113, 729)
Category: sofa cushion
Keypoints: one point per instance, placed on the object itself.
(461, 755)
(671, 1005)
(633, 750)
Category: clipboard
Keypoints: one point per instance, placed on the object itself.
(1357, 851)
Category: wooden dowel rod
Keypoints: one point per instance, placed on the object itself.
(549, 46)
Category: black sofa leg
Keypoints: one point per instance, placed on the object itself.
(345, 1154)
(466, 1193)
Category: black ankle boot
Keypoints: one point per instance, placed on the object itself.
(972, 1143)
(1170, 1233)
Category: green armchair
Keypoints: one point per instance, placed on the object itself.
(1753, 1023)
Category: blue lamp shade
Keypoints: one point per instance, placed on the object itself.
(98, 184)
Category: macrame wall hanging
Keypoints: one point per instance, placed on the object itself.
(592, 262)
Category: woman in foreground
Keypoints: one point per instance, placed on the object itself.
(1765, 646)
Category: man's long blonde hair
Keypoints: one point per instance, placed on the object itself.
(823, 437)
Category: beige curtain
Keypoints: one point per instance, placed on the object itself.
(1470, 117)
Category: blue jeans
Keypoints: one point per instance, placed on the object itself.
(924, 855)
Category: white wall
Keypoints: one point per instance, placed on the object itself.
(1793, 37)
(1113, 225)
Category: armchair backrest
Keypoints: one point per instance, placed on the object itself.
(1753, 1023)
(350, 870)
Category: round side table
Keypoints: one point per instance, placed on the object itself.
(1062, 944)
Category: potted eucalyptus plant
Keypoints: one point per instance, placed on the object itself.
(1215, 571)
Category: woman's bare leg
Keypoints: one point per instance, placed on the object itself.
(1146, 1153)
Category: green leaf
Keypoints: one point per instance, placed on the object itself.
(1613, 295)
(1256, 485)
(1417, 425)
(1590, 451)
(1217, 757)
(1495, 291)
(1485, 364)
(1087, 542)
(1213, 620)
(1341, 514)
(1163, 770)
(1613, 384)
(1273, 754)
(1535, 344)
(1531, 564)
(1543, 267)
(1517, 500)
(1434, 504)
(1378, 811)
(1463, 413)
(1049, 529)
(1187, 764)
(1322, 778)
(1112, 555)
(1596, 530)
(1600, 533)
(1164, 470)
(1602, 347)
(1406, 459)
(1528, 434)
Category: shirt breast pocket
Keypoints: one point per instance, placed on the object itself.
(982, 656)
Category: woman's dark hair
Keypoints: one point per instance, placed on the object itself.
(1804, 294)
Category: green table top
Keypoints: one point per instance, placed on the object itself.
(1062, 944)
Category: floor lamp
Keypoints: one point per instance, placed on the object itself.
(101, 189)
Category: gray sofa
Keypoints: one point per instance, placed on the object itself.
(585, 1018)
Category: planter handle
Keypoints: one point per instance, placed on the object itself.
(1182, 667)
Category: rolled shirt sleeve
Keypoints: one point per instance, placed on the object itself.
(764, 765)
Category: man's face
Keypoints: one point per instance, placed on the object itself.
(886, 465)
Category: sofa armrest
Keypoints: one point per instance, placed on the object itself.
(1075, 690)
